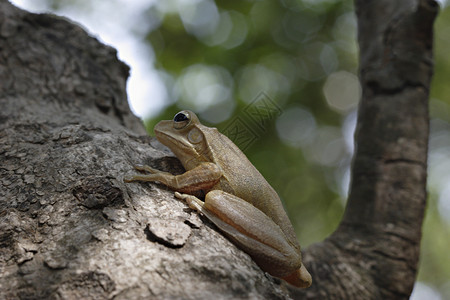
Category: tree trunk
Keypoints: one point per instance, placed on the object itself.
(71, 229)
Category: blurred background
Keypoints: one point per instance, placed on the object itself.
(295, 60)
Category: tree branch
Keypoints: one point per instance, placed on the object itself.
(375, 251)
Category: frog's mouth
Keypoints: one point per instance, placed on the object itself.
(179, 145)
(172, 141)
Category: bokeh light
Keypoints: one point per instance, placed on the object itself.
(342, 91)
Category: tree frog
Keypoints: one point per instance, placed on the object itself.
(238, 200)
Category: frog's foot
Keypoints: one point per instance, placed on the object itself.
(128, 178)
(142, 177)
(192, 201)
(145, 168)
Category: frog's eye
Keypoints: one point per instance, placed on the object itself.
(181, 120)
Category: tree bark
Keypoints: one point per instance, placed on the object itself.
(71, 229)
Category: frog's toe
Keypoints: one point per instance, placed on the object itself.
(180, 196)
(128, 178)
(139, 167)
(192, 201)
(145, 168)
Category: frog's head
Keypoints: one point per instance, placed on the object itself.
(184, 136)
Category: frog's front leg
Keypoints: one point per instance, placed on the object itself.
(202, 177)
(255, 233)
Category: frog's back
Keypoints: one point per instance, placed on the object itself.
(242, 179)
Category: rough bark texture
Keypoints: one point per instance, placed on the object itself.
(71, 229)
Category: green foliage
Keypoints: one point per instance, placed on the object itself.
(435, 265)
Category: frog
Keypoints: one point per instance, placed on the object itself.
(237, 198)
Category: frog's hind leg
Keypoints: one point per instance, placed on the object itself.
(250, 229)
